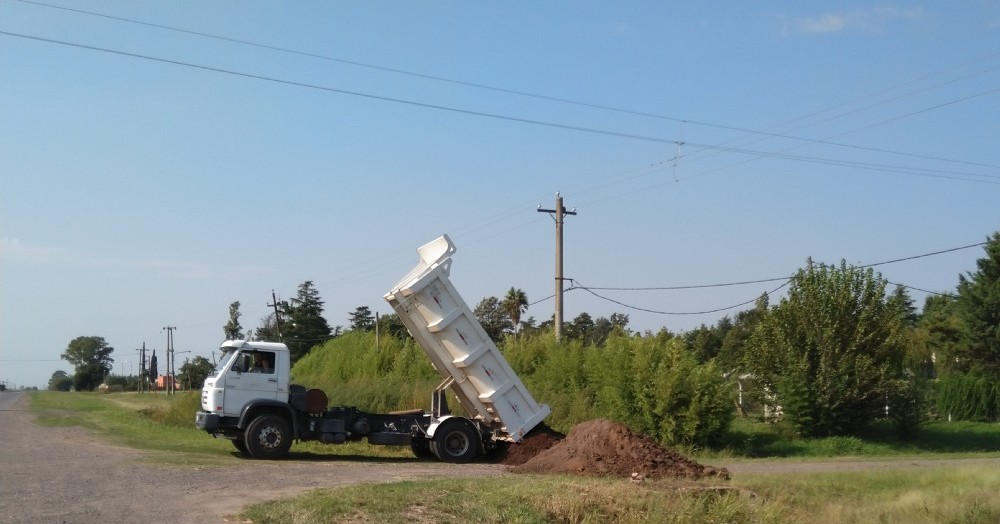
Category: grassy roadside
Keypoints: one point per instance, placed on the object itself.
(162, 423)
(947, 494)
(960, 495)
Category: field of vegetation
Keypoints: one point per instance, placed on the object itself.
(163, 424)
(853, 369)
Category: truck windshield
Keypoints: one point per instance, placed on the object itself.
(225, 360)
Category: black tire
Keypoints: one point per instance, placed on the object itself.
(421, 448)
(241, 447)
(268, 437)
(495, 449)
(456, 442)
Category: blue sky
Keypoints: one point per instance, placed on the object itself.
(160, 160)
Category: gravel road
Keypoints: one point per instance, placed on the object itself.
(65, 475)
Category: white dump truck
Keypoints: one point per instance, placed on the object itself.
(249, 400)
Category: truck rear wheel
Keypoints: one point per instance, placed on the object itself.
(455, 441)
(421, 448)
(268, 437)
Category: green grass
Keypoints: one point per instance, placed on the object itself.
(749, 439)
(158, 422)
(515, 499)
(940, 494)
(142, 421)
(960, 495)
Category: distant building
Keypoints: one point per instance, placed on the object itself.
(162, 383)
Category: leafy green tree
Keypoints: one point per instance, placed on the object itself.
(737, 339)
(514, 303)
(60, 381)
(361, 319)
(620, 321)
(606, 327)
(268, 329)
(706, 342)
(233, 330)
(904, 303)
(392, 325)
(193, 372)
(942, 335)
(979, 307)
(492, 317)
(305, 326)
(831, 351)
(91, 356)
(581, 328)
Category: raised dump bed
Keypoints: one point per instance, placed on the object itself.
(459, 348)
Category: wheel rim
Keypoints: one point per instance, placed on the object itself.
(456, 443)
(269, 437)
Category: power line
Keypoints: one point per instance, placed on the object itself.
(914, 257)
(543, 123)
(785, 281)
(776, 279)
(695, 286)
(477, 85)
(509, 118)
(938, 293)
(718, 310)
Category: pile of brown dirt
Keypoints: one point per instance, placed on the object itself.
(605, 448)
(536, 441)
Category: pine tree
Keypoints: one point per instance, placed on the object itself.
(233, 330)
(361, 319)
(979, 308)
(303, 325)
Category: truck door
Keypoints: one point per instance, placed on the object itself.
(252, 376)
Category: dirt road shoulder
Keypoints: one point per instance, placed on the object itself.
(65, 474)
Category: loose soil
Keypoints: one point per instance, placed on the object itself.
(536, 441)
(604, 448)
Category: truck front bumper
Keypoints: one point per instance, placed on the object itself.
(206, 421)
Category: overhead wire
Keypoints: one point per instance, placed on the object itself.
(860, 165)
(634, 136)
(477, 85)
(785, 281)
(646, 310)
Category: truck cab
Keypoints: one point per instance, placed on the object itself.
(246, 371)
(246, 399)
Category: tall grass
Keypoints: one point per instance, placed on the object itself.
(650, 384)
(355, 371)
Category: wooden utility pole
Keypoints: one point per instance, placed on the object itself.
(558, 213)
(277, 314)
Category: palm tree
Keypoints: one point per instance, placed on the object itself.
(515, 303)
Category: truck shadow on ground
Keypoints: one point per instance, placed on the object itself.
(306, 456)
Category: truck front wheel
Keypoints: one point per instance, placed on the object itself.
(268, 437)
(455, 441)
